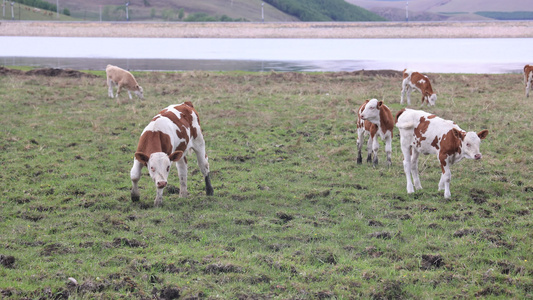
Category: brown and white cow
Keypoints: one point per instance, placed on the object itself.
(422, 132)
(528, 78)
(373, 118)
(167, 138)
(412, 79)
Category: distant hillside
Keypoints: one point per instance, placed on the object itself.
(453, 10)
(320, 10)
(212, 10)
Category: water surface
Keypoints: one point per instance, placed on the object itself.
(427, 55)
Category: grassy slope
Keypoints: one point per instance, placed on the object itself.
(248, 9)
(293, 215)
(23, 12)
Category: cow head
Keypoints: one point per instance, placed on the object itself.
(471, 142)
(371, 111)
(159, 165)
(139, 91)
(432, 99)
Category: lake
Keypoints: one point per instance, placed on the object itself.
(495, 56)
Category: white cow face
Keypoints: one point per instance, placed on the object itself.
(159, 165)
(471, 144)
(432, 99)
(139, 92)
(371, 111)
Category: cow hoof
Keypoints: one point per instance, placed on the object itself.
(135, 198)
(210, 191)
(359, 160)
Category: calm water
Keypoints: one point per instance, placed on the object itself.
(427, 55)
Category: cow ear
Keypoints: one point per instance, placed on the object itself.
(367, 101)
(458, 134)
(380, 103)
(175, 156)
(142, 157)
(483, 134)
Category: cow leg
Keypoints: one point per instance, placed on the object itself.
(414, 169)
(375, 149)
(203, 164)
(129, 94)
(158, 197)
(182, 173)
(388, 150)
(369, 148)
(135, 175)
(404, 89)
(407, 168)
(409, 91)
(528, 86)
(360, 140)
(445, 179)
(110, 85)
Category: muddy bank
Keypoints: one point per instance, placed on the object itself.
(493, 29)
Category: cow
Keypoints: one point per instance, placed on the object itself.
(422, 132)
(528, 78)
(168, 138)
(373, 118)
(124, 79)
(412, 79)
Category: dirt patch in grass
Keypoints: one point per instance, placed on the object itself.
(431, 261)
(222, 268)
(7, 261)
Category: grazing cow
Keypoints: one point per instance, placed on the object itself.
(412, 79)
(169, 137)
(421, 132)
(373, 118)
(528, 78)
(124, 79)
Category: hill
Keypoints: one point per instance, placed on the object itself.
(212, 11)
(453, 10)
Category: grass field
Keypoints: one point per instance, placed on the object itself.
(293, 216)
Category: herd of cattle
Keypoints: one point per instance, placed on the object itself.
(175, 131)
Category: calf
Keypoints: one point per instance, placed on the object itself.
(169, 137)
(412, 79)
(421, 132)
(373, 118)
(124, 79)
(528, 78)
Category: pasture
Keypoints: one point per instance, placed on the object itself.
(293, 216)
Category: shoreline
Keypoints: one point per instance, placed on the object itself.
(482, 29)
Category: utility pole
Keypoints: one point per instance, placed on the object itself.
(4, 9)
(12, 10)
(57, 9)
(100, 6)
(407, 11)
(127, 13)
(263, 11)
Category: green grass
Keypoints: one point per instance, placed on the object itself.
(293, 215)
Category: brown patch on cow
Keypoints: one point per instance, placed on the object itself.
(398, 114)
(420, 130)
(435, 143)
(385, 119)
(450, 145)
(185, 121)
(432, 116)
(154, 141)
